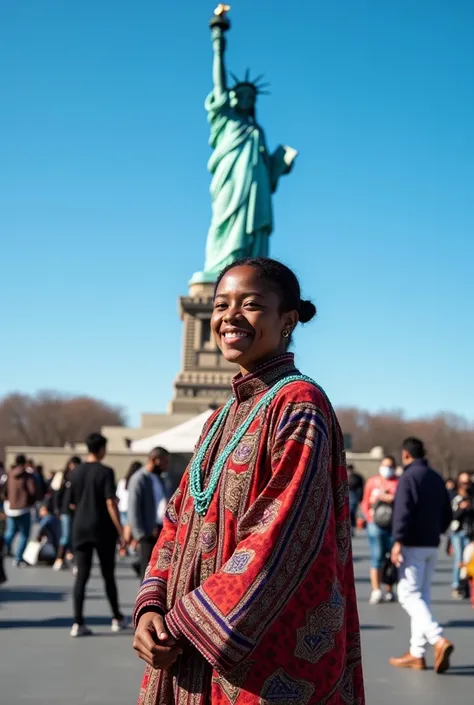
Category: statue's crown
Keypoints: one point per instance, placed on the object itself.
(255, 83)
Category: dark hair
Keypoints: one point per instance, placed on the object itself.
(157, 453)
(134, 467)
(75, 459)
(391, 458)
(414, 447)
(20, 459)
(95, 442)
(284, 281)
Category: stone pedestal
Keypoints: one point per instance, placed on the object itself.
(204, 380)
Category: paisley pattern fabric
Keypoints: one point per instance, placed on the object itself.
(261, 589)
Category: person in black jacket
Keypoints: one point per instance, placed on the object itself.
(356, 492)
(422, 512)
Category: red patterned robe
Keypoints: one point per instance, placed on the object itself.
(262, 587)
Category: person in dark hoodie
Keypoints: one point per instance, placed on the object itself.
(422, 512)
(21, 493)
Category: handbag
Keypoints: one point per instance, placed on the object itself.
(383, 515)
(389, 572)
(32, 551)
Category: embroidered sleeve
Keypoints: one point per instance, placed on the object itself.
(279, 538)
(152, 594)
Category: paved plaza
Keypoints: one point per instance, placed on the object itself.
(41, 665)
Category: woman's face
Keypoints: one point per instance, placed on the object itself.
(246, 322)
(387, 468)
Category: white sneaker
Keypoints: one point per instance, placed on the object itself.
(376, 597)
(58, 564)
(389, 597)
(118, 625)
(80, 630)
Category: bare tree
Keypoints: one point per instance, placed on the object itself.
(53, 419)
(449, 438)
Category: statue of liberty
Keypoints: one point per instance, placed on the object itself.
(244, 174)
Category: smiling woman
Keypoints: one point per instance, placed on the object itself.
(249, 595)
(257, 305)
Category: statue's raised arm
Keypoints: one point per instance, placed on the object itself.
(219, 24)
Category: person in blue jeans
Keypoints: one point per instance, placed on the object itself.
(379, 489)
(463, 516)
(21, 525)
(48, 532)
(21, 493)
(61, 503)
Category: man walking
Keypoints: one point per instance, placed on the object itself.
(96, 527)
(147, 500)
(422, 512)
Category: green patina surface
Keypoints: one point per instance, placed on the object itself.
(244, 173)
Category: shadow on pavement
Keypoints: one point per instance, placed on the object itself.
(459, 624)
(51, 623)
(19, 594)
(460, 671)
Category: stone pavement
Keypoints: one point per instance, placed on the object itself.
(41, 665)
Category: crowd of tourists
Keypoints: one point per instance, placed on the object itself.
(372, 508)
(81, 511)
(63, 521)
(254, 546)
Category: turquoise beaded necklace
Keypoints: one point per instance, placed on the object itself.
(203, 497)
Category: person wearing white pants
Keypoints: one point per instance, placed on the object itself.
(414, 595)
(422, 512)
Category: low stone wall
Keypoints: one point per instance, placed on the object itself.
(54, 459)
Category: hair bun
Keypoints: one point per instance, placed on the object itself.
(307, 311)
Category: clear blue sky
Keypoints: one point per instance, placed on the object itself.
(104, 203)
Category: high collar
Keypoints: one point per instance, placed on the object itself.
(263, 377)
(419, 463)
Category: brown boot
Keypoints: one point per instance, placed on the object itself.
(442, 653)
(408, 661)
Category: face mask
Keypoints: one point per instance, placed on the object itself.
(386, 472)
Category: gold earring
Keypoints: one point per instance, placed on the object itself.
(286, 333)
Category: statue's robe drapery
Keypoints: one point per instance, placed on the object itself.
(261, 589)
(244, 176)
